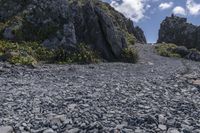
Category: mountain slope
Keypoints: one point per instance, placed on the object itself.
(64, 24)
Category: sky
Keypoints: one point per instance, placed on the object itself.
(148, 14)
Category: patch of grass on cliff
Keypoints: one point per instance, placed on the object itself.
(167, 50)
(129, 55)
(130, 38)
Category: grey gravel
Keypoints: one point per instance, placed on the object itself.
(6, 129)
(155, 95)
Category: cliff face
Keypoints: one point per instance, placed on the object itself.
(64, 24)
(176, 30)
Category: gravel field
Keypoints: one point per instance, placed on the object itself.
(156, 95)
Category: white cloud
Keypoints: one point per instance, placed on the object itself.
(193, 7)
(178, 10)
(133, 9)
(164, 6)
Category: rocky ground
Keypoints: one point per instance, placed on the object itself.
(156, 95)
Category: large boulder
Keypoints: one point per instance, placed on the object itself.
(176, 30)
(64, 24)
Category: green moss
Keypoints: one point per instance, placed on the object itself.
(167, 50)
(129, 55)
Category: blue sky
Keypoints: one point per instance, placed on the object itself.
(148, 14)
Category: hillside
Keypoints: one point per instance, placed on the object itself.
(65, 24)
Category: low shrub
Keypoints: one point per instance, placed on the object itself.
(25, 53)
(23, 60)
(129, 55)
(167, 50)
(83, 55)
(130, 38)
(195, 50)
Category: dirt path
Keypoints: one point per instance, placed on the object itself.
(155, 95)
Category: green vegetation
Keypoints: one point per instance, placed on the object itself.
(195, 50)
(167, 50)
(130, 38)
(25, 53)
(129, 55)
(29, 53)
(83, 55)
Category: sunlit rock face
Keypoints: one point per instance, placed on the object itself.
(176, 30)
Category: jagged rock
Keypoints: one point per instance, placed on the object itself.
(7, 9)
(193, 55)
(8, 34)
(137, 31)
(182, 50)
(64, 24)
(139, 34)
(176, 30)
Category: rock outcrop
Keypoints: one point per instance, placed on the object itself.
(176, 30)
(190, 54)
(64, 24)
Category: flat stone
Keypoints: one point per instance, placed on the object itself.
(6, 129)
(119, 126)
(162, 127)
(138, 130)
(74, 130)
(49, 131)
(196, 82)
(150, 63)
(161, 119)
(172, 130)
